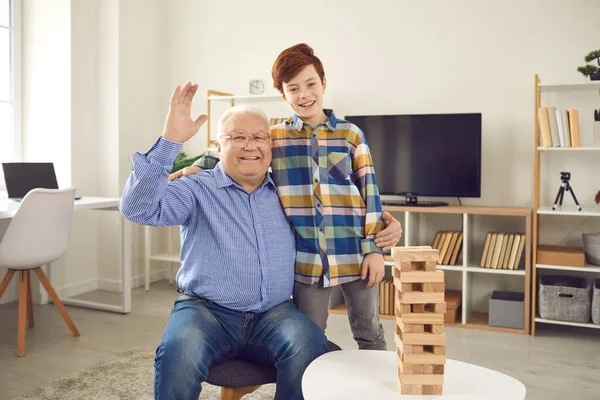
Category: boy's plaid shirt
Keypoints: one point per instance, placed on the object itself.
(327, 186)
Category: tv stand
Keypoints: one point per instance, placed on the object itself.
(410, 204)
(412, 201)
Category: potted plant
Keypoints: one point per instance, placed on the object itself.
(182, 160)
(591, 70)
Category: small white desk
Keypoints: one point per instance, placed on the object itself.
(372, 374)
(8, 208)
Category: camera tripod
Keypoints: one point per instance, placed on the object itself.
(565, 186)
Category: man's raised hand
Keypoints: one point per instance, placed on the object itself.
(179, 126)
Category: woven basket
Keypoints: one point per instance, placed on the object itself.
(591, 247)
(596, 302)
(565, 298)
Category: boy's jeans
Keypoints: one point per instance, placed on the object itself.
(201, 334)
(362, 304)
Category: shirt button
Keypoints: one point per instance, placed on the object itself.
(321, 229)
(263, 256)
(316, 180)
(258, 225)
(318, 205)
(265, 290)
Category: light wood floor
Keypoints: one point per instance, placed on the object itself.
(559, 363)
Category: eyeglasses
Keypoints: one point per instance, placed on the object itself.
(240, 141)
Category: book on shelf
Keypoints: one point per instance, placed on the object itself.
(449, 244)
(386, 297)
(558, 127)
(502, 250)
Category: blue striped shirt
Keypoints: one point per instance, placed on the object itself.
(238, 249)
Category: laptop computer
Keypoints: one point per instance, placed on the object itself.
(22, 177)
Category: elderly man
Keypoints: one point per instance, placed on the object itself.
(238, 254)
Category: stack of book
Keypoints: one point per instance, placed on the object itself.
(502, 250)
(558, 128)
(386, 297)
(449, 244)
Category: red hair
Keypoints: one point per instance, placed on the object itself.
(291, 61)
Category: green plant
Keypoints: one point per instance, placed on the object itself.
(182, 161)
(588, 69)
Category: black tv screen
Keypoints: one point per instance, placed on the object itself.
(425, 154)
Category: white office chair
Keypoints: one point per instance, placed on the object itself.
(38, 234)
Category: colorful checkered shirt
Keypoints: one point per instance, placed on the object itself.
(326, 183)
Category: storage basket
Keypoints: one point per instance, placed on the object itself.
(565, 298)
(591, 247)
(596, 302)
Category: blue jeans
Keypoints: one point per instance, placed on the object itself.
(201, 334)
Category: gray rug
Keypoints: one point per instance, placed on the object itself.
(127, 376)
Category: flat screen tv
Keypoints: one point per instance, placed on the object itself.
(432, 155)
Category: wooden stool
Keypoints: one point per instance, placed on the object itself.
(238, 378)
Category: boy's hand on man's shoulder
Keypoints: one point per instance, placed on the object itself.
(187, 171)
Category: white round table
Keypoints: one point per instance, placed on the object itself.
(371, 374)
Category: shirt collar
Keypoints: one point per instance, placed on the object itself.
(224, 180)
(331, 122)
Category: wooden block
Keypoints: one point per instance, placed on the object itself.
(417, 369)
(430, 265)
(410, 328)
(433, 287)
(408, 266)
(425, 359)
(411, 389)
(409, 287)
(438, 308)
(405, 368)
(424, 339)
(407, 254)
(423, 318)
(419, 277)
(422, 379)
(432, 389)
(437, 329)
(418, 308)
(401, 308)
(403, 348)
(438, 369)
(421, 297)
(428, 369)
(435, 349)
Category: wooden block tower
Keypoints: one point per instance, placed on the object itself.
(419, 310)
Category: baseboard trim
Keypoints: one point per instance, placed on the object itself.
(112, 285)
(77, 288)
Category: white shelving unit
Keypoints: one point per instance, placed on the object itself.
(171, 256)
(469, 267)
(574, 87)
(568, 149)
(551, 321)
(567, 210)
(245, 97)
(217, 96)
